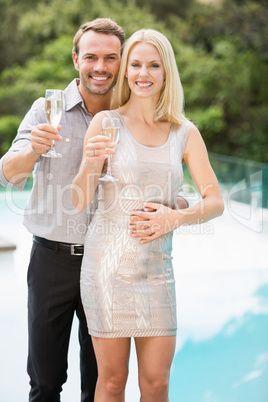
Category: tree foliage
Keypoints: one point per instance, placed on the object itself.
(221, 51)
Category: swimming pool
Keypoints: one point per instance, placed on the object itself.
(221, 271)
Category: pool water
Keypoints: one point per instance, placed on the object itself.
(221, 271)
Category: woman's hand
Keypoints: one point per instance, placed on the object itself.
(147, 232)
(97, 149)
(152, 223)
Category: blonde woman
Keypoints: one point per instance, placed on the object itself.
(127, 283)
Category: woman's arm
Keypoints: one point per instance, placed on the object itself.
(165, 219)
(85, 183)
(197, 161)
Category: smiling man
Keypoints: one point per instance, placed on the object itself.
(58, 228)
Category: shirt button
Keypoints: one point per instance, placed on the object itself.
(67, 140)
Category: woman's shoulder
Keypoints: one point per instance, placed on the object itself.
(184, 126)
(110, 113)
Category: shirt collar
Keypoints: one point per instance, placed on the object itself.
(72, 95)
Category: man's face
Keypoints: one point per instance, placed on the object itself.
(98, 62)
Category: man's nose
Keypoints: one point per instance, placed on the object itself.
(100, 65)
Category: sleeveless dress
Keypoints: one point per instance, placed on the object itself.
(128, 288)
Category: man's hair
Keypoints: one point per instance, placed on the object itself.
(171, 100)
(99, 25)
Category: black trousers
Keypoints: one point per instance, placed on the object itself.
(53, 299)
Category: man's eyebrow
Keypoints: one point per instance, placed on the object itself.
(94, 54)
(112, 54)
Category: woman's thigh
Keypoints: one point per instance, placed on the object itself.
(112, 355)
(155, 355)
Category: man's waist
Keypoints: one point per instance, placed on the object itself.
(70, 232)
(69, 248)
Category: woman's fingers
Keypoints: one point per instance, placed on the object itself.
(99, 145)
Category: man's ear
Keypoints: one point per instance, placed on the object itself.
(75, 60)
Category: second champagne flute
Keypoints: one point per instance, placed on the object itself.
(53, 110)
(110, 128)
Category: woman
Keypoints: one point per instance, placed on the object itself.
(127, 285)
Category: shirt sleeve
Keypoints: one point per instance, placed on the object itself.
(182, 194)
(36, 115)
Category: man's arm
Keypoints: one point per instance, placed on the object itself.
(33, 139)
(18, 165)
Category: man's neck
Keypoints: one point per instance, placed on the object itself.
(96, 103)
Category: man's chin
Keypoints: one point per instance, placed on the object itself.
(99, 91)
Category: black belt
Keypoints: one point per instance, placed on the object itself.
(73, 249)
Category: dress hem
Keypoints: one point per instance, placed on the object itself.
(133, 333)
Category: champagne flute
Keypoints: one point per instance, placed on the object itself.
(53, 110)
(110, 128)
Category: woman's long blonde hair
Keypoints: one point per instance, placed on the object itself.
(171, 100)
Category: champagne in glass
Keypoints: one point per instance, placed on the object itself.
(110, 128)
(53, 110)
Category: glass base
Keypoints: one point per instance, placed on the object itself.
(108, 178)
(52, 154)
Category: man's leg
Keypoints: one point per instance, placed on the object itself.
(88, 364)
(53, 280)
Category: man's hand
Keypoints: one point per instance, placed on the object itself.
(153, 222)
(42, 136)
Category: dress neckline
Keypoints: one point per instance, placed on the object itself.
(142, 145)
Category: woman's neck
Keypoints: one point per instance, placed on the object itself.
(140, 109)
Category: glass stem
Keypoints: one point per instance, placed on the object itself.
(109, 166)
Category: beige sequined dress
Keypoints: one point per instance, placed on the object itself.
(128, 288)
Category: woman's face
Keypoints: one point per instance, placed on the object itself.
(145, 71)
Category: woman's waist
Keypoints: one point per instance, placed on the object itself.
(118, 207)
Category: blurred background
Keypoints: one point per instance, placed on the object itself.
(221, 268)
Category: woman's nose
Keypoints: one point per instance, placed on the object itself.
(143, 71)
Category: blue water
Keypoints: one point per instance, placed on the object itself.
(232, 366)
(221, 272)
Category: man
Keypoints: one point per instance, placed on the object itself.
(58, 228)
